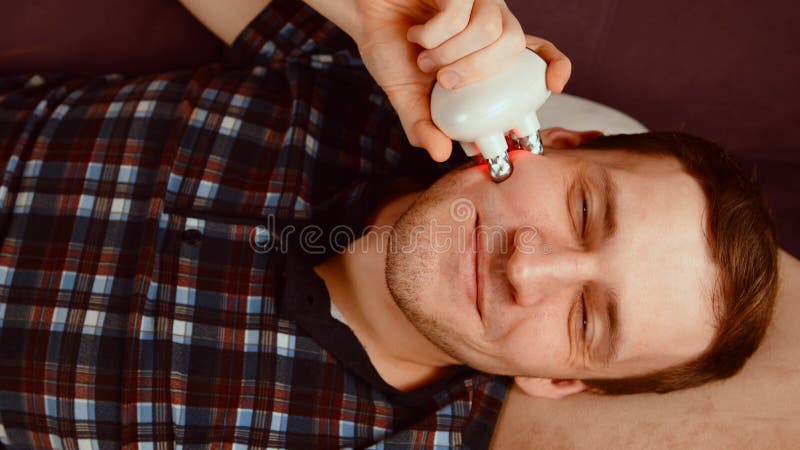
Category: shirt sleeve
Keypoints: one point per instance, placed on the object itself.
(289, 29)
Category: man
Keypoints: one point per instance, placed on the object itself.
(645, 269)
(143, 300)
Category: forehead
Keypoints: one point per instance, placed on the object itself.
(658, 262)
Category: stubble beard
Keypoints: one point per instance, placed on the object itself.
(412, 270)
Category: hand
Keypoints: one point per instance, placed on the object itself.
(470, 38)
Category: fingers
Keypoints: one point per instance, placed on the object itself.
(489, 44)
(412, 103)
(491, 37)
(436, 143)
(452, 18)
(559, 67)
(485, 27)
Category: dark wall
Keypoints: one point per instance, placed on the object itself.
(726, 69)
(96, 36)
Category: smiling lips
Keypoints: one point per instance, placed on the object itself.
(471, 272)
(476, 265)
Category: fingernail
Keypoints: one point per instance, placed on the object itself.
(426, 64)
(448, 79)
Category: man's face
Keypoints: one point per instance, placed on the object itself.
(511, 301)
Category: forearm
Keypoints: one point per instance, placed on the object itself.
(226, 19)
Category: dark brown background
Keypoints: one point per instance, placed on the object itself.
(724, 70)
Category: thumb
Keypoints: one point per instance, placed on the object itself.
(431, 138)
(559, 67)
(413, 107)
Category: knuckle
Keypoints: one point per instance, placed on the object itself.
(427, 43)
(458, 23)
(518, 40)
(514, 44)
(491, 30)
(523, 42)
(461, 5)
(469, 69)
(426, 39)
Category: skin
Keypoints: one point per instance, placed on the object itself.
(523, 321)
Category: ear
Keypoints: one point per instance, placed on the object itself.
(562, 138)
(549, 387)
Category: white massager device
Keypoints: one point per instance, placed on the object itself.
(480, 115)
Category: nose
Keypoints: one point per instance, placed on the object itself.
(549, 272)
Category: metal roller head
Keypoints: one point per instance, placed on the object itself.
(500, 167)
(532, 143)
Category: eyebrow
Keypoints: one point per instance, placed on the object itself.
(608, 191)
(612, 325)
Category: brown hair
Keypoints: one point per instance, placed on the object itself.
(742, 242)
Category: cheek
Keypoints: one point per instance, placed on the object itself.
(539, 343)
(535, 167)
(535, 189)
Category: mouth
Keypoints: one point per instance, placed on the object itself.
(476, 255)
(469, 274)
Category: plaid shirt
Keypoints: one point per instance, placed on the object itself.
(135, 309)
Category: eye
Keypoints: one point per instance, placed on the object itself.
(584, 214)
(584, 316)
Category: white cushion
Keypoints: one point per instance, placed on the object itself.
(577, 113)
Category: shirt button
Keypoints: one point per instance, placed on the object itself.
(261, 236)
(192, 236)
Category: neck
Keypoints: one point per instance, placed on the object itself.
(356, 282)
